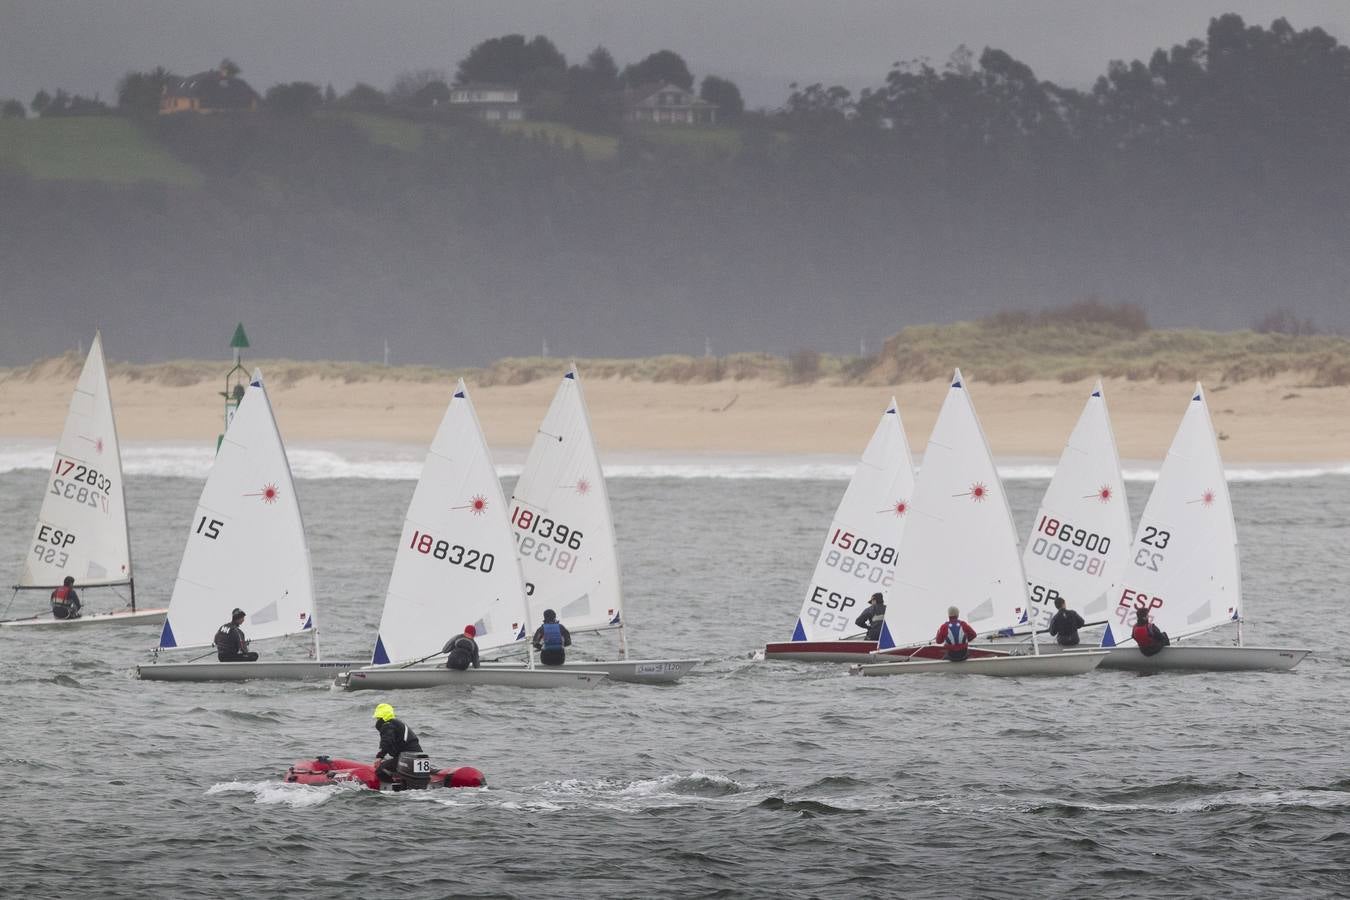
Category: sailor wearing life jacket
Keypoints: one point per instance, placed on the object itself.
(1150, 638)
(956, 635)
(395, 738)
(550, 639)
(65, 602)
(231, 646)
(873, 617)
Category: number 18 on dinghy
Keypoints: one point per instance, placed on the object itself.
(456, 563)
(860, 552)
(1183, 565)
(960, 548)
(245, 548)
(81, 530)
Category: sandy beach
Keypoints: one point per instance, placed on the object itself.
(1279, 420)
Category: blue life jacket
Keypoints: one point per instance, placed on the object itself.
(552, 636)
(955, 633)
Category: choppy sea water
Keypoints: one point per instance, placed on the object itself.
(747, 779)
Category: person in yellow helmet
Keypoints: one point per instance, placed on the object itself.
(395, 738)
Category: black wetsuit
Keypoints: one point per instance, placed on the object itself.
(231, 645)
(1064, 627)
(65, 603)
(463, 652)
(550, 651)
(395, 738)
(872, 619)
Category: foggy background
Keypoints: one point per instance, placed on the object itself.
(1210, 187)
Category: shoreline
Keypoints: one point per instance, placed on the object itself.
(1280, 420)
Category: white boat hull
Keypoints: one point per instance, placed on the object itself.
(278, 670)
(1187, 658)
(393, 678)
(632, 671)
(120, 617)
(1007, 666)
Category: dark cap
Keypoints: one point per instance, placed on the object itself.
(70, 579)
(237, 614)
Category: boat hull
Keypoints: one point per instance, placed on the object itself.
(1006, 666)
(928, 651)
(120, 617)
(388, 679)
(1187, 658)
(278, 670)
(631, 671)
(819, 651)
(324, 770)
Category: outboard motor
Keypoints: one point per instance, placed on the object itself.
(414, 770)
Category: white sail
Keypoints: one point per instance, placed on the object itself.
(862, 544)
(246, 543)
(561, 516)
(960, 547)
(1080, 537)
(82, 526)
(456, 563)
(1183, 564)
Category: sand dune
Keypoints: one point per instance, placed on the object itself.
(1278, 419)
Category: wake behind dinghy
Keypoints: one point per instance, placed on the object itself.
(415, 772)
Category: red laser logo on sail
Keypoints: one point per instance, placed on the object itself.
(901, 507)
(583, 486)
(478, 505)
(977, 492)
(269, 493)
(1207, 498)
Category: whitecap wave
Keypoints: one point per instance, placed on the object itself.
(280, 793)
(399, 462)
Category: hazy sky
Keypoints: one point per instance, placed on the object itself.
(84, 46)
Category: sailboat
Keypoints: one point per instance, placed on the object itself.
(961, 548)
(245, 547)
(81, 529)
(858, 557)
(1080, 538)
(1183, 564)
(564, 532)
(456, 564)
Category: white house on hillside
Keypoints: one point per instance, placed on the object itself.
(667, 104)
(490, 102)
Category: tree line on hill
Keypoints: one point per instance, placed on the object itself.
(1207, 185)
(587, 95)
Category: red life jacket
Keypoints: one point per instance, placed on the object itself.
(1141, 636)
(61, 596)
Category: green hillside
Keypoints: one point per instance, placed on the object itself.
(90, 148)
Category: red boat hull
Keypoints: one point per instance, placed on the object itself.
(324, 770)
(820, 651)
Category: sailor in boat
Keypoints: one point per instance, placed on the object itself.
(1149, 637)
(1064, 626)
(65, 602)
(231, 645)
(462, 650)
(955, 634)
(873, 617)
(395, 738)
(550, 639)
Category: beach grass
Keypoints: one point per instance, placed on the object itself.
(90, 148)
(993, 351)
(593, 146)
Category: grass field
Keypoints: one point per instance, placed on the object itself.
(90, 148)
(390, 131)
(593, 146)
